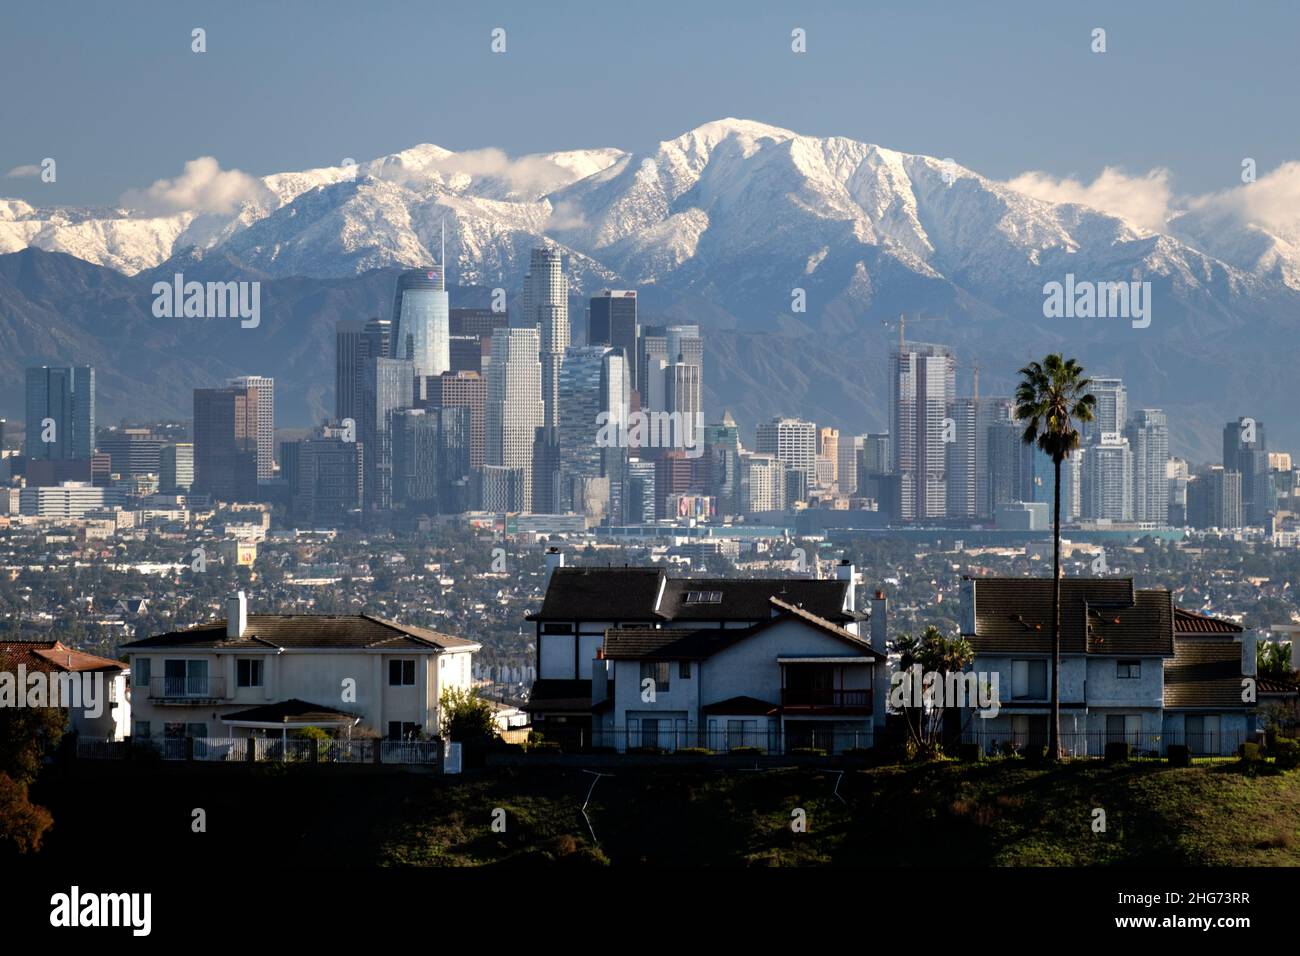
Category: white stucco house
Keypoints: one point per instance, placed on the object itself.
(1128, 671)
(254, 673)
(632, 658)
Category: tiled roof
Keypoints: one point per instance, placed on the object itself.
(629, 594)
(1189, 622)
(50, 656)
(1098, 616)
(1205, 672)
(287, 712)
(1266, 685)
(338, 631)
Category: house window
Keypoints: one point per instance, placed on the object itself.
(403, 730)
(196, 730)
(1029, 680)
(659, 672)
(141, 671)
(249, 672)
(1201, 733)
(684, 670)
(401, 673)
(142, 729)
(1128, 670)
(557, 628)
(185, 678)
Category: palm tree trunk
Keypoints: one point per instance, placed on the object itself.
(1054, 732)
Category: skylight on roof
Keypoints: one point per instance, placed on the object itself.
(703, 597)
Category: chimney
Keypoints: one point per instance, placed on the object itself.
(554, 559)
(1249, 663)
(879, 621)
(966, 613)
(236, 615)
(1295, 651)
(844, 571)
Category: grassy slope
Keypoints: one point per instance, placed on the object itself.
(997, 813)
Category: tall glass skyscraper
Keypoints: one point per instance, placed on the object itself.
(546, 307)
(422, 321)
(66, 397)
(514, 405)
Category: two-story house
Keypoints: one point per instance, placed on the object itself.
(105, 717)
(632, 657)
(252, 673)
(1210, 691)
(1127, 672)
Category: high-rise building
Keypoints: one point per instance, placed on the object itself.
(593, 393)
(514, 403)
(1110, 413)
(388, 388)
(1177, 475)
(226, 423)
(1044, 480)
(792, 441)
(503, 489)
(722, 463)
(962, 435)
(1107, 473)
(639, 495)
(265, 388)
(612, 321)
(415, 460)
(922, 384)
(685, 401)
(1148, 438)
(846, 472)
(176, 467)
(828, 457)
(1245, 450)
(462, 390)
(455, 474)
(762, 483)
(326, 478)
(546, 307)
(651, 362)
(1010, 466)
(355, 343)
(133, 451)
(1214, 499)
(422, 321)
(60, 413)
(988, 411)
(546, 478)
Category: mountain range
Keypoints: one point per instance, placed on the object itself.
(732, 225)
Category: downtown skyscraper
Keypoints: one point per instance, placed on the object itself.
(226, 432)
(1148, 439)
(922, 387)
(514, 409)
(355, 344)
(265, 388)
(546, 308)
(60, 413)
(422, 320)
(612, 321)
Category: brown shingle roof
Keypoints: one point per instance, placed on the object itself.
(1189, 622)
(51, 656)
(1205, 672)
(1098, 616)
(292, 711)
(341, 631)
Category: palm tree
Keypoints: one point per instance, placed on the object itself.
(1051, 399)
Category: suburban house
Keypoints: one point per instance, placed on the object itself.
(21, 659)
(1133, 667)
(633, 658)
(257, 673)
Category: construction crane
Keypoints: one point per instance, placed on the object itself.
(902, 325)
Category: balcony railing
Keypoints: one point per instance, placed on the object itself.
(187, 688)
(826, 698)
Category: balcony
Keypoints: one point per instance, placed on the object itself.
(826, 699)
(186, 691)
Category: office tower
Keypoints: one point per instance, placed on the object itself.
(877, 454)
(3, 423)
(1148, 438)
(60, 408)
(462, 390)
(265, 388)
(422, 320)
(226, 431)
(1109, 414)
(846, 470)
(1214, 499)
(1245, 451)
(547, 481)
(762, 483)
(455, 474)
(503, 488)
(922, 386)
(651, 362)
(988, 411)
(546, 306)
(466, 352)
(355, 343)
(133, 451)
(1176, 475)
(415, 460)
(722, 463)
(684, 344)
(963, 462)
(612, 321)
(514, 403)
(796, 487)
(1107, 472)
(101, 469)
(326, 478)
(388, 388)
(1044, 481)
(639, 492)
(685, 403)
(593, 403)
(176, 467)
(1010, 466)
(792, 441)
(674, 475)
(479, 323)
(828, 457)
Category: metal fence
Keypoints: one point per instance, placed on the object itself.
(1092, 743)
(745, 737)
(267, 750)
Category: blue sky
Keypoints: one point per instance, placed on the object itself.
(114, 94)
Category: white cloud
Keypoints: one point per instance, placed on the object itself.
(565, 215)
(203, 187)
(1145, 201)
(19, 171)
(1271, 202)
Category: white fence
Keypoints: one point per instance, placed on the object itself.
(268, 749)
